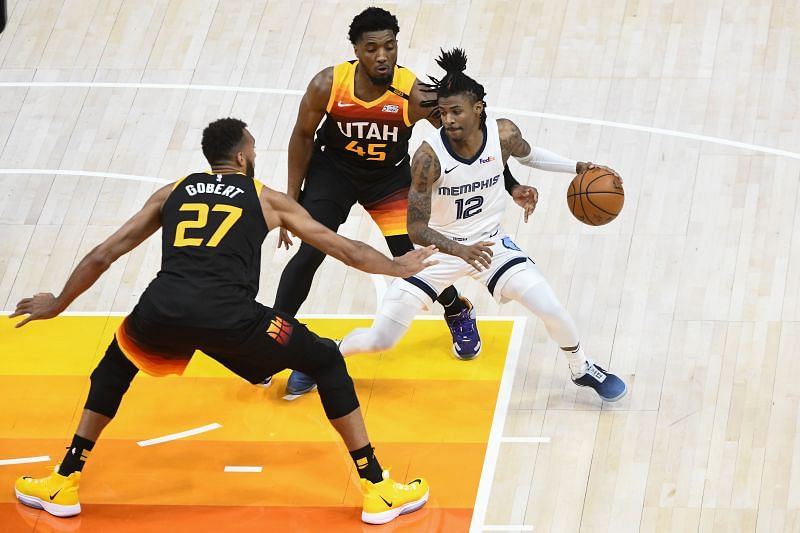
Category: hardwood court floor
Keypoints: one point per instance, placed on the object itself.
(692, 295)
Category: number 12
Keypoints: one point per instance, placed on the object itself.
(469, 207)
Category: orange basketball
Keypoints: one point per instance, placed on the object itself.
(595, 196)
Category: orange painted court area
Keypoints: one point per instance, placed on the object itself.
(428, 415)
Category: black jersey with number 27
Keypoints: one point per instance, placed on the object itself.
(212, 231)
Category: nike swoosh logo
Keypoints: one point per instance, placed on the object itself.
(384, 501)
(53, 496)
(449, 170)
(339, 104)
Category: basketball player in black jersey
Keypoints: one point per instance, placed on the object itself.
(203, 298)
(360, 154)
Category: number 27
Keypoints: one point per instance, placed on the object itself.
(234, 213)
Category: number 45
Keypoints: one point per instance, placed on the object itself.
(372, 150)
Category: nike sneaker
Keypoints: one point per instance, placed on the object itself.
(386, 500)
(56, 494)
(299, 383)
(464, 329)
(608, 386)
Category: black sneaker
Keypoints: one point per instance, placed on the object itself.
(608, 386)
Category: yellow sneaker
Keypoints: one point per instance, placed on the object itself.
(56, 494)
(386, 500)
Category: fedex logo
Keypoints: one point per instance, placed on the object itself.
(487, 160)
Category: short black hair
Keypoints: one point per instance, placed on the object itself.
(221, 137)
(454, 63)
(372, 19)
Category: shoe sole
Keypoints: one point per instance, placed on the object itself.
(467, 357)
(61, 511)
(616, 398)
(391, 514)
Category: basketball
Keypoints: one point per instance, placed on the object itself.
(595, 196)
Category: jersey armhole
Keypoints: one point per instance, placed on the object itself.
(259, 186)
(175, 185)
(332, 96)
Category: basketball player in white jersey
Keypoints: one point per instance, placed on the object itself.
(456, 202)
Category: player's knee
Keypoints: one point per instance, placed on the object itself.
(336, 389)
(110, 381)
(383, 341)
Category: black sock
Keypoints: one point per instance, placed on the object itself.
(451, 302)
(77, 454)
(367, 464)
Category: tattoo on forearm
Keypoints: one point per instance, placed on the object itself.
(425, 170)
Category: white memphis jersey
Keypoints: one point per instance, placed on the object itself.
(469, 198)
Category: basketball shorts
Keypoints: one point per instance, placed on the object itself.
(508, 259)
(271, 342)
(383, 194)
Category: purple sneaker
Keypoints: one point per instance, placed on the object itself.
(466, 339)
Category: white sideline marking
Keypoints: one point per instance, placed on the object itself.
(24, 460)
(498, 421)
(253, 469)
(182, 434)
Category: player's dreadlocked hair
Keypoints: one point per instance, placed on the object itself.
(372, 19)
(454, 62)
(220, 138)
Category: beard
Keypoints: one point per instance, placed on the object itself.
(382, 80)
(250, 169)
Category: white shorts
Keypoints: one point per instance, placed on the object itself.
(507, 260)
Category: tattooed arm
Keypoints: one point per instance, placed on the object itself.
(425, 171)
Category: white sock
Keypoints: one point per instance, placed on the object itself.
(577, 361)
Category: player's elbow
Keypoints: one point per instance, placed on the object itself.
(100, 258)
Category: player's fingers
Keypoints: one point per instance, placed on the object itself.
(23, 322)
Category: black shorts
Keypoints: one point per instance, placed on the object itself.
(384, 195)
(271, 342)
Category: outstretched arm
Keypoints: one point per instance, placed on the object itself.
(280, 210)
(425, 171)
(513, 143)
(139, 227)
(313, 107)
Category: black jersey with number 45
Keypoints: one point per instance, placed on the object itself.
(212, 230)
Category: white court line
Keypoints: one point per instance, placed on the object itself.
(491, 110)
(123, 85)
(182, 434)
(24, 460)
(527, 440)
(507, 528)
(81, 173)
(246, 469)
(498, 421)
